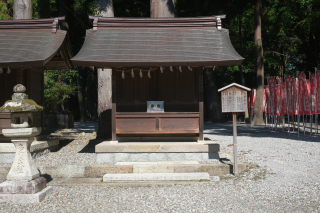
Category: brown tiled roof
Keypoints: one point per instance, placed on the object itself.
(29, 43)
(157, 42)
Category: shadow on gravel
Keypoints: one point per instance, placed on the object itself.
(256, 132)
(90, 147)
(62, 143)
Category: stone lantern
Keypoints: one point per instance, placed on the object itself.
(23, 184)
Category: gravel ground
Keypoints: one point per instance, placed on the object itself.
(283, 177)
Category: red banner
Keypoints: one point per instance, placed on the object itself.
(312, 93)
(277, 100)
(289, 82)
(318, 91)
(272, 90)
(301, 78)
(283, 97)
(294, 96)
(267, 99)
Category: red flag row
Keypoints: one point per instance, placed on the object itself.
(291, 96)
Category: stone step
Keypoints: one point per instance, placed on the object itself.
(97, 171)
(201, 176)
(157, 163)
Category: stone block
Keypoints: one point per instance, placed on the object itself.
(157, 177)
(155, 157)
(25, 198)
(23, 187)
(158, 163)
(153, 169)
(211, 169)
(163, 147)
(99, 170)
(66, 171)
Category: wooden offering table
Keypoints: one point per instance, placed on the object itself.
(174, 123)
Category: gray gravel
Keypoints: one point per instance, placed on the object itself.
(284, 177)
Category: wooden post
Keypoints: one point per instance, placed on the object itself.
(114, 106)
(104, 103)
(201, 138)
(235, 148)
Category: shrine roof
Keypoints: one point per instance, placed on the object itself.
(236, 85)
(34, 43)
(147, 42)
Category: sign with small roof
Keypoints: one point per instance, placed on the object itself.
(234, 98)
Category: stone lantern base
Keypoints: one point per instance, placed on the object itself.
(24, 191)
(24, 184)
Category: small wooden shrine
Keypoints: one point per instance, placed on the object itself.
(27, 48)
(160, 60)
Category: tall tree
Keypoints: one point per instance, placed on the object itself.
(91, 94)
(162, 8)
(22, 9)
(213, 106)
(258, 109)
(105, 8)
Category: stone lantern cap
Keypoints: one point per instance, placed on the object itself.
(20, 102)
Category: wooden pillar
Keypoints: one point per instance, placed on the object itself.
(201, 123)
(114, 107)
(104, 103)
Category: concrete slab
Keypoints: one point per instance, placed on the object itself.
(157, 163)
(153, 169)
(160, 147)
(63, 171)
(203, 176)
(98, 171)
(155, 157)
(26, 198)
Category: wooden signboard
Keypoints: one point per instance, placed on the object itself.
(234, 99)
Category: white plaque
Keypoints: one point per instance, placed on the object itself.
(234, 100)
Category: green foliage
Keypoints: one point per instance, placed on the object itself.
(58, 87)
(6, 9)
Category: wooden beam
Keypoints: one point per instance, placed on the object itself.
(114, 105)
(201, 138)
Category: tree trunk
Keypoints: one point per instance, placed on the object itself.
(105, 8)
(63, 4)
(22, 9)
(91, 94)
(213, 105)
(80, 95)
(258, 109)
(162, 8)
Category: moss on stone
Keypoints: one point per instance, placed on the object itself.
(25, 106)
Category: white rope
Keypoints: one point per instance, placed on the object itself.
(149, 75)
(171, 69)
(161, 69)
(9, 70)
(132, 73)
(190, 68)
(180, 69)
(141, 75)
(122, 75)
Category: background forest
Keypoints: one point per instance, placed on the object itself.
(290, 35)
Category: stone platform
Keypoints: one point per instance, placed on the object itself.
(156, 151)
(38, 146)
